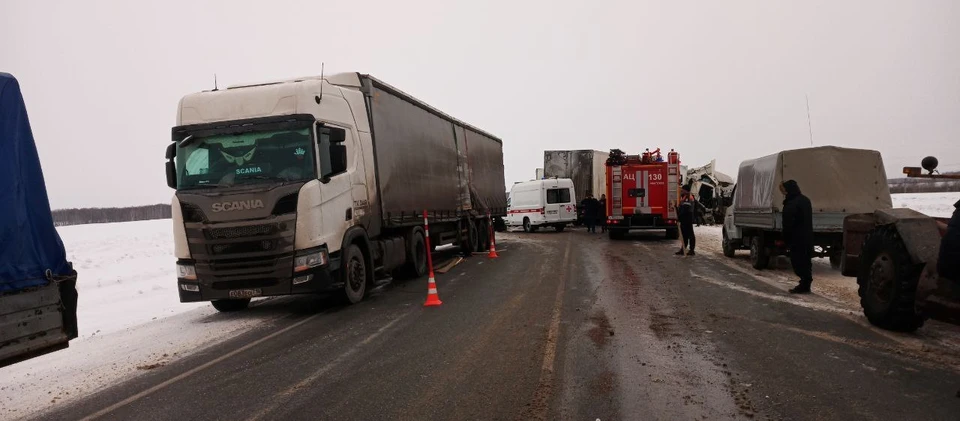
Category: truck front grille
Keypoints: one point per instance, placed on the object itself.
(230, 255)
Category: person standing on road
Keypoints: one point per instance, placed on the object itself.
(590, 212)
(798, 233)
(686, 214)
(602, 220)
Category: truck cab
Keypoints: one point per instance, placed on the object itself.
(259, 171)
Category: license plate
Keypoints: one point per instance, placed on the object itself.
(245, 293)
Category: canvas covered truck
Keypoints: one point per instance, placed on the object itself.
(838, 182)
(642, 192)
(907, 264)
(38, 296)
(319, 185)
(587, 169)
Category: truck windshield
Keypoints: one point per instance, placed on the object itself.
(246, 158)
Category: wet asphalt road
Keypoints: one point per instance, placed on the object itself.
(563, 326)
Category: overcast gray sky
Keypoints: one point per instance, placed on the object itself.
(713, 79)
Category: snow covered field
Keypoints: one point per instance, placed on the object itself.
(933, 204)
(129, 314)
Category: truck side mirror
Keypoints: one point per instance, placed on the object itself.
(171, 174)
(171, 167)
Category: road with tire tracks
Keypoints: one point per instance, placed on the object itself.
(563, 326)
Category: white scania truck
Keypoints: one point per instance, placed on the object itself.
(319, 185)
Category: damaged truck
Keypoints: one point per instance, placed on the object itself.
(319, 185)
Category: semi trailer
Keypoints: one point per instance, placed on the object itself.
(319, 184)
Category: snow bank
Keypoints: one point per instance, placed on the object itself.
(933, 204)
(130, 318)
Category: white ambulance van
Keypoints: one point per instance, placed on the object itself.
(539, 203)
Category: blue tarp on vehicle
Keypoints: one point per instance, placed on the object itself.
(29, 243)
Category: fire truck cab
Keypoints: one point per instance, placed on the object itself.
(642, 192)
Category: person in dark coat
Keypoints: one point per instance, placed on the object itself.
(948, 263)
(798, 233)
(591, 208)
(686, 215)
(602, 220)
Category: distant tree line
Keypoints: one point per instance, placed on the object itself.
(63, 217)
(923, 185)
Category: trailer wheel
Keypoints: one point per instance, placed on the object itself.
(483, 236)
(526, 225)
(226, 306)
(354, 275)
(469, 244)
(416, 265)
(759, 256)
(728, 249)
(888, 282)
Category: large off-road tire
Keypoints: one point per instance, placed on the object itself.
(728, 249)
(759, 255)
(416, 265)
(226, 306)
(888, 282)
(353, 273)
(526, 225)
(673, 233)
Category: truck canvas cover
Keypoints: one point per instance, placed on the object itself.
(836, 180)
(29, 243)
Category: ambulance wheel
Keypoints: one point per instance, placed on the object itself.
(526, 225)
(560, 227)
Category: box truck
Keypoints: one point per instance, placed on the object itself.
(320, 184)
(585, 167)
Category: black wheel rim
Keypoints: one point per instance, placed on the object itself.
(357, 274)
(882, 278)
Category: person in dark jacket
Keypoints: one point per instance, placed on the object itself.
(686, 214)
(591, 208)
(602, 220)
(948, 263)
(798, 233)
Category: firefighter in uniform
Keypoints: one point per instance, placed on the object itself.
(686, 214)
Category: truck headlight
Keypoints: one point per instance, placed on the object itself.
(188, 272)
(310, 260)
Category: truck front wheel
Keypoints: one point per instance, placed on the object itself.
(728, 249)
(759, 255)
(226, 306)
(888, 282)
(354, 274)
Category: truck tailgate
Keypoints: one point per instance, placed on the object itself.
(31, 324)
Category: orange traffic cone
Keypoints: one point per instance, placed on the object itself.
(433, 299)
(493, 239)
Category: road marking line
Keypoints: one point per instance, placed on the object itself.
(194, 370)
(541, 397)
(277, 401)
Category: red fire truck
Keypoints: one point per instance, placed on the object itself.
(642, 191)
